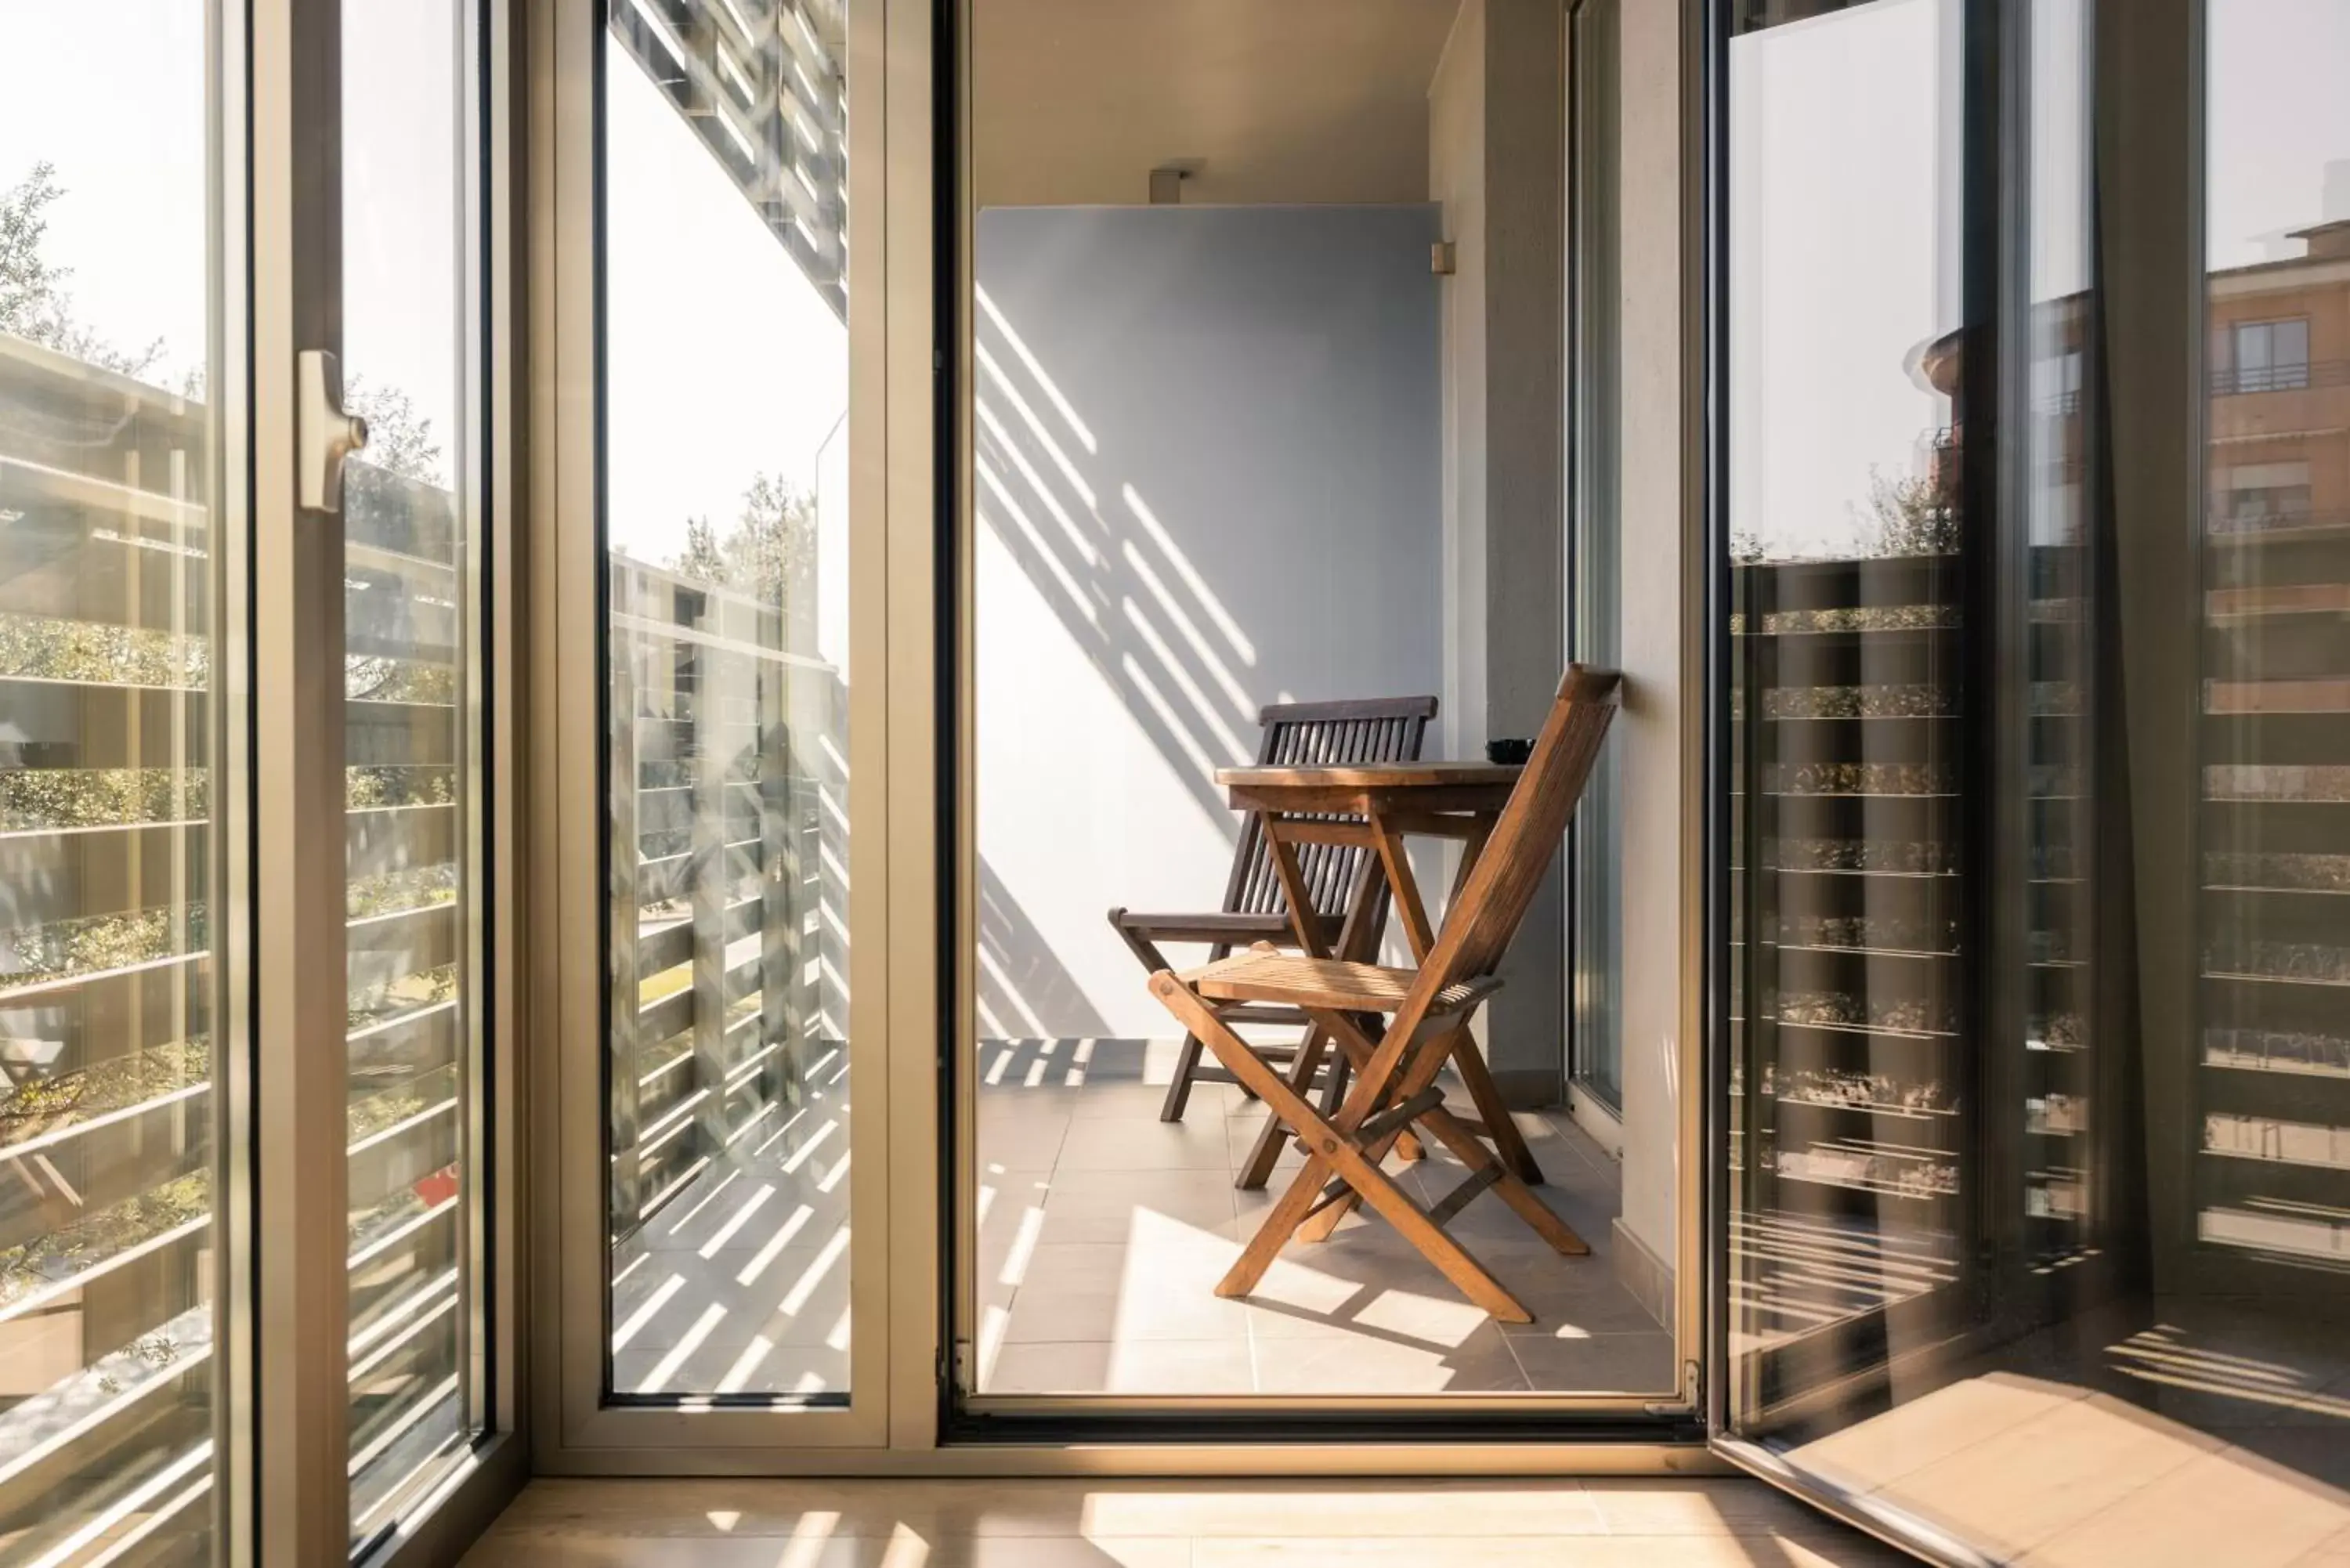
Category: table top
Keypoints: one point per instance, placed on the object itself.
(1373, 776)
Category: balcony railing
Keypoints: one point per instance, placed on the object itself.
(727, 892)
(2238, 380)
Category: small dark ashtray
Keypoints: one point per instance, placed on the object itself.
(1509, 753)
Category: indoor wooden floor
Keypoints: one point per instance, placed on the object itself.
(1662, 1523)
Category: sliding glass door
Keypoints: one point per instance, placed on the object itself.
(2034, 730)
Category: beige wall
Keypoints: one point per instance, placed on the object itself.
(1073, 102)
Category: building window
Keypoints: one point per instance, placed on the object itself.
(2263, 356)
(2260, 495)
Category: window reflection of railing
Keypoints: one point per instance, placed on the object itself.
(2248, 524)
(1849, 911)
(2297, 376)
(106, 973)
(106, 979)
(763, 84)
(728, 893)
(409, 822)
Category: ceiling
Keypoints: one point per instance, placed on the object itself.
(1073, 102)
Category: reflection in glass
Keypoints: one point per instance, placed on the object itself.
(2273, 738)
(107, 789)
(413, 678)
(2124, 1296)
(725, 405)
(1849, 904)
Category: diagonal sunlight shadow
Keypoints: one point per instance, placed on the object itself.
(1120, 585)
(1021, 982)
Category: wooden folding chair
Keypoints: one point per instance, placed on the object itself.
(1337, 877)
(1428, 1013)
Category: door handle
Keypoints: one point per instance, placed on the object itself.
(324, 435)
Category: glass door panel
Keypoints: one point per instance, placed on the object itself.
(2037, 1219)
(1850, 908)
(110, 1015)
(413, 677)
(726, 637)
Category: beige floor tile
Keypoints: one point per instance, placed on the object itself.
(1144, 1143)
(1299, 1298)
(1481, 1364)
(2227, 1507)
(1209, 1103)
(1171, 1366)
(1177, 1258)
(1119, 1193)
(1141, 1312)
(1702, 1507)
(2049, 1474)
(1598, 1364)
(2333, 1553)
(1873, 1453)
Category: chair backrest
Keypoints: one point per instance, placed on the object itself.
(1478, 927)
(1309, 734)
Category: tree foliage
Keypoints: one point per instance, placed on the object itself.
(770, 552)
(1910, 515)
(34, 302)
(400, 440)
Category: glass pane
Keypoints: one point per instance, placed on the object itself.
(1850, 909)
(726, 524)
(2118, 1332)
(1595, 924)
(413, 674)
(106, 977)
(2271, 1185)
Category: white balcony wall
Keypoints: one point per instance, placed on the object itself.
(1207, 479)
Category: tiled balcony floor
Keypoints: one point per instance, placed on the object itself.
(1103, 1232)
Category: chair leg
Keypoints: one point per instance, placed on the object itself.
(1179, 1093)
(1508, 1142)
(1449, 1129)
(1266, 1153)
(1421, 1064)
(1335, 1149)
